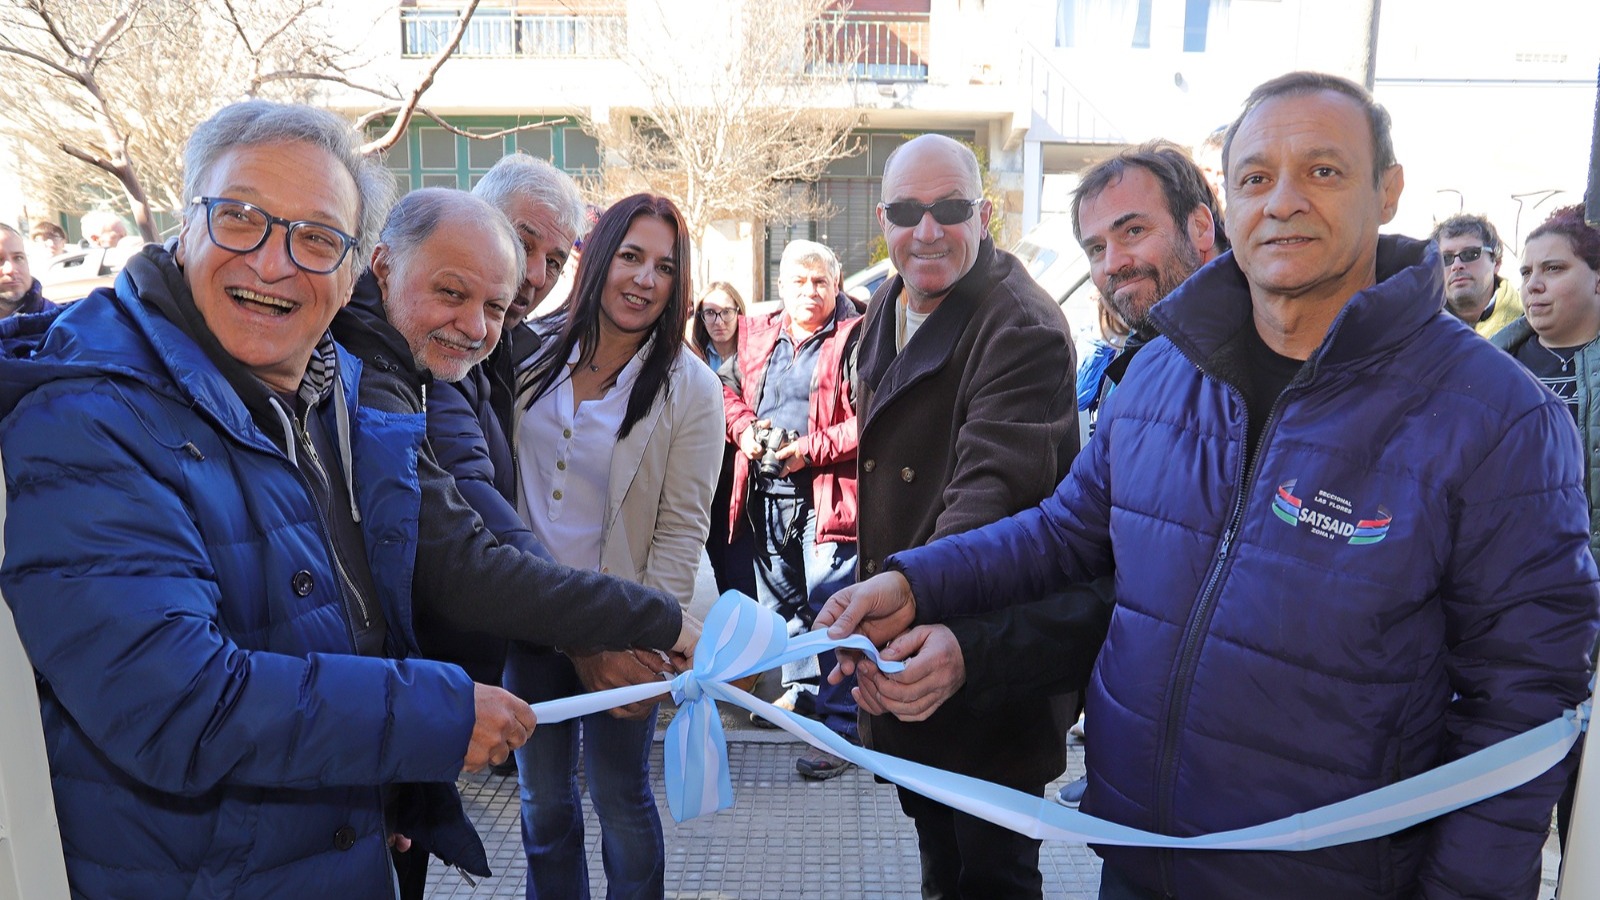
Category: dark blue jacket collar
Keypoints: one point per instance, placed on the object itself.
(1206, 313)
(33, 302)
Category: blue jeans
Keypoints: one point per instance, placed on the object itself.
(795, 576)
(616, 760)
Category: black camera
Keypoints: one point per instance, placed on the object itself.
(772, 440)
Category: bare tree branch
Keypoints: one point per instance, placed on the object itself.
(403, 120)
(238, 28)
(113, 29)
(491, 135)
(93, 159)
(50, 64)
(295, 75)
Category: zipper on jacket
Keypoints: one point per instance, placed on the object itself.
(361, 610)
(1194, 632)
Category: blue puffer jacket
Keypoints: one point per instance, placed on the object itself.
(210, 732)
(1403, 578)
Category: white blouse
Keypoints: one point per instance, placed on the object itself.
(565, 464)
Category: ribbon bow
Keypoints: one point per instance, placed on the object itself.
(738, 638)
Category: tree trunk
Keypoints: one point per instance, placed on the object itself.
(139, 202)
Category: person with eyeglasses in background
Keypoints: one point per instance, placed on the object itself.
(50, 238)
(1474, 292)
(713, 335)
(967, 414)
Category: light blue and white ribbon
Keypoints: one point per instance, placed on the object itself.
(741, 638)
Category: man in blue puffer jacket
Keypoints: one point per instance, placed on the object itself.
(210, 545)
(1349, 542)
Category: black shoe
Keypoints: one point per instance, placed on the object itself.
(821, 766)
(507, 769)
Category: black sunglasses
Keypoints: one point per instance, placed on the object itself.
(907, 213)
(1465, 254)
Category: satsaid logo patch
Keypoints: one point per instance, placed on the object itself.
(1329, 516)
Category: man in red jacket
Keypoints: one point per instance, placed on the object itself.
(791, 410)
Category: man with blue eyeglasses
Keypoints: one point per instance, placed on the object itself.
(215, 540)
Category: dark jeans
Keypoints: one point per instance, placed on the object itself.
(616, 761)
(732, 562)
(966, 858)
(1113, 886)
(795, 576)
(410, 872)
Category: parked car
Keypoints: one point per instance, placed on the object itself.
(1052, 256)
(74, 274)
(864, 283)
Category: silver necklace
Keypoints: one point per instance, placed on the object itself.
(1566, 361)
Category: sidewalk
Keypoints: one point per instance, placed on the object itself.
(785, 837)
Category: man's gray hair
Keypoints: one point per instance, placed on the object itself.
(810, 253)
(98, 220)
(256, 122)
(414, 219)
(969, 161)
(526, 176)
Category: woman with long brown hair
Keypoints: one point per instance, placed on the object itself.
(620, 438)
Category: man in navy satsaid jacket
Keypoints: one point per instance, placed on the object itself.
(1349, 544)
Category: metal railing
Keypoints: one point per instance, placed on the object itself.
(503, 33)
(873, 46)
(1064, 112)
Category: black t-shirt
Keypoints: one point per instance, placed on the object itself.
(1555, 367)
(1269, 373)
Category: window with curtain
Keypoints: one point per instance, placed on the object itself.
(1103, 23)
(1201, 19)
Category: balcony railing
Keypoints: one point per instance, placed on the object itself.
(873, 46)
(504, 33)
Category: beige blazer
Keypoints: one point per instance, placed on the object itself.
(662, 477)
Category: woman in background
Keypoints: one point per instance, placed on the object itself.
(714, 337)
(629, 428)
(1556, 341)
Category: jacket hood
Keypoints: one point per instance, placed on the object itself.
(33, 301)
(1206, 312)
(363, 328)
(1513, 336)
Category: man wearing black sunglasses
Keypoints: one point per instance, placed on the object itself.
(1474, 292)
(967, 415)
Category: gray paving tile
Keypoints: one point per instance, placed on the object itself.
(757, 849)
(753, 851)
